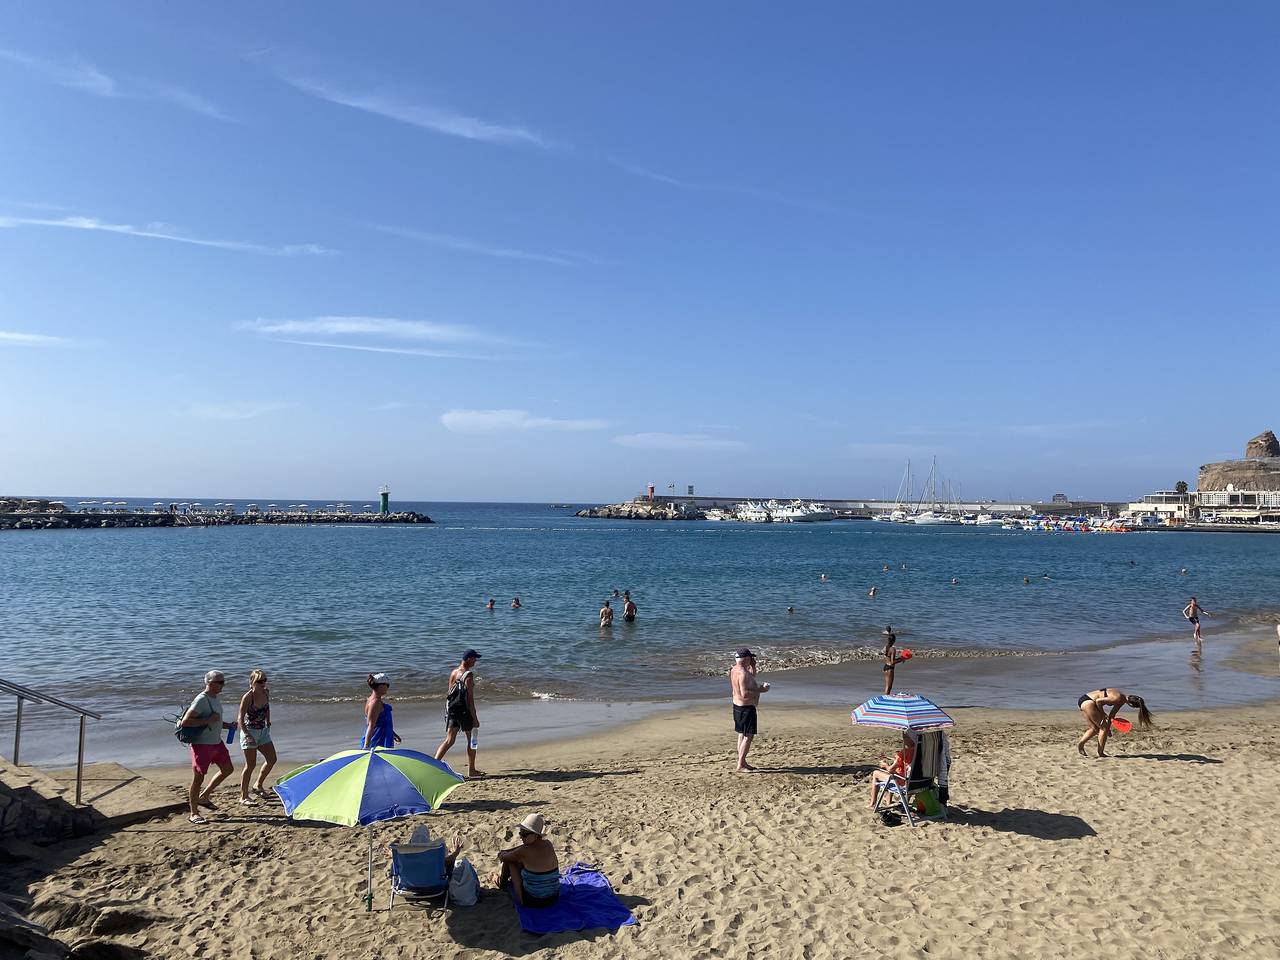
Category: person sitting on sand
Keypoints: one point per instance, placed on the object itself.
(1094, 706)
(205, 712)
(899, 768)
(606, 615)
(255, 737)
(379, 731)
(531, 868)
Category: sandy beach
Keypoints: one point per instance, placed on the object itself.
(1166, 849)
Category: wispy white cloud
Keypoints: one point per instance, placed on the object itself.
(678, 441)
(235, 409)
(434, 117)
(708, 187)
(13, 338)
(76, 74)
(382, 327)
(495, 421)
(464, 245)
(160, 231)
(368, 348)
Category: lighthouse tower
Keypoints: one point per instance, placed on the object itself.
(384, 500)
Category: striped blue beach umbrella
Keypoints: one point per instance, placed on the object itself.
(902, 711)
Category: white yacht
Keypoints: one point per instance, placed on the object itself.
(716, 513)
(752, 512)
(987, 520)
(930, 518)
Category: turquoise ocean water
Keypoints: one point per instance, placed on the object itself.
(136, 616)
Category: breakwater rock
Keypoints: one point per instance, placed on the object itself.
(33, 515)
(642, 510)
(1259, 470)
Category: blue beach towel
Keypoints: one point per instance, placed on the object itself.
(586, 902)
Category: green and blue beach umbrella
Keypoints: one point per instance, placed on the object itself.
(362, 787)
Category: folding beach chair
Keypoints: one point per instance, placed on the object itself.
(418, 873)
(922, 778)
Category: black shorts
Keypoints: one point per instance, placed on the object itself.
(744, 720)
(1083, 698)
(629, 617)
(460, 719)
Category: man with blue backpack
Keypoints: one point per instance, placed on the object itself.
(201, 727)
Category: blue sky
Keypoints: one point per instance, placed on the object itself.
(555, 251)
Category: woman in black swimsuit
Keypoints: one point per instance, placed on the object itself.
(891, 659)
(1094, 705)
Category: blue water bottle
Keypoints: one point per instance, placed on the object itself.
(231, 733)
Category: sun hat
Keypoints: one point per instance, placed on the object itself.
(534, 823)
(743, 652)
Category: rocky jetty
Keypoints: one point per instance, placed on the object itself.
(642, 510)
(18, 513)
(1259, 470)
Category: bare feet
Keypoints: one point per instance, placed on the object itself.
(1101, 754)
(745, 768)
(474, 773)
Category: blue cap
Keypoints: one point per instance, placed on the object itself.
(471, 655)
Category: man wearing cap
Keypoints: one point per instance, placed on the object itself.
(460, 711)
(746, 694)
(530, 868)
(205, 713)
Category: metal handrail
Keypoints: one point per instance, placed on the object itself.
(35, 696)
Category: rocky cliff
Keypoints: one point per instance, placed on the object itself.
(1259, 470)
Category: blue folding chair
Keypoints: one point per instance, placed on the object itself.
(418, 873)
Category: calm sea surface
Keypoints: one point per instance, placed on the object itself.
(138, 615)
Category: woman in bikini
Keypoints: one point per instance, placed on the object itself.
(255, 737)
(899, 768)
(1100, 707)
(891, 659)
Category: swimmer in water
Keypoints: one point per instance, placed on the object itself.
(822, 577)
(886, 568)
(1026, 579)
(872, 592)
(791, 609)
(515, 603)
(954, 581)
(489, 605)
(606, 615)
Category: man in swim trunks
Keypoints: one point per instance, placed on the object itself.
(1192, 612)
(208, 749)
(746, 695)
(460, 710)
(606, 615)
(629, 607)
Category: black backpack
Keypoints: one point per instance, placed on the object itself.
(456, 702)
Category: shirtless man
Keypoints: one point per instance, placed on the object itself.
(746, 694)
(606, 615)
(1192, 612)
(629, 607)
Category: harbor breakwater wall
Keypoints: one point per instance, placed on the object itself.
(37, 519)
